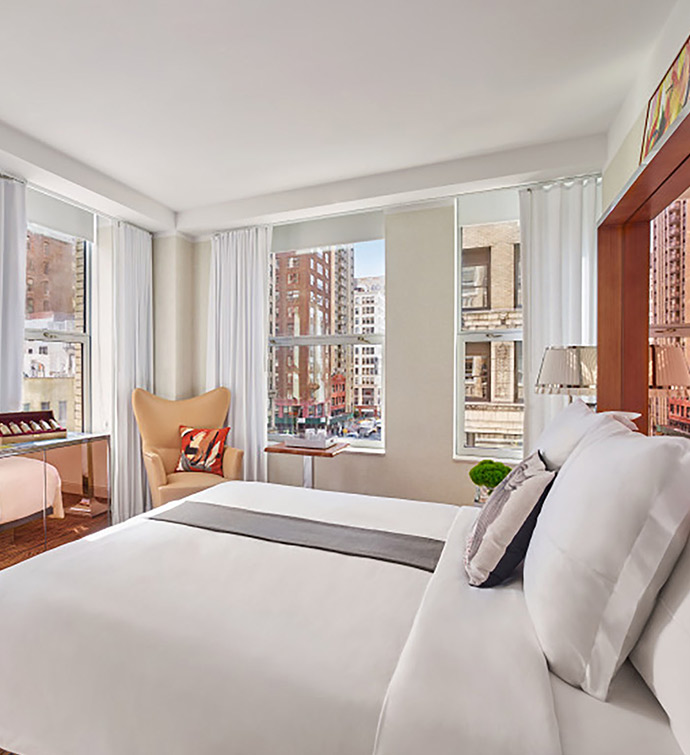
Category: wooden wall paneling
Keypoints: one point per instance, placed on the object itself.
(623, 287)
(610, 318)
(635, 317)
(650, 179)
(623, 318)
(677, 182)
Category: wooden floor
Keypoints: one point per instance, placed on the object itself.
(30, 539)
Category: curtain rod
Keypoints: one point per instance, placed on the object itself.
(556, 181)
(7, 177)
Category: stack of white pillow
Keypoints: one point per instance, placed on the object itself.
(608, 536)
(605, 539)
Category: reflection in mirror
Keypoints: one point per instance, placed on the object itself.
(51, 497)
(669, 321)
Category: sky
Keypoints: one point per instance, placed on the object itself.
(370, 258)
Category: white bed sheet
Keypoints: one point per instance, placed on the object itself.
(22, 484)
(630, 722)
(472, 679)
(154, 637)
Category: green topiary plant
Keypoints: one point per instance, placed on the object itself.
(488, 473)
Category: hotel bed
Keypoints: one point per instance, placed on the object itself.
(23, 482)
(159, 637)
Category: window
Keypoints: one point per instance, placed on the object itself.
(489, 340)
(317, 348)
(475, 278)
(57, 344)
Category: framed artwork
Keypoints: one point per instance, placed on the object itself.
(668, 100)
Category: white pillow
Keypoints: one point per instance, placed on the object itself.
(662, 655)
(607, 537)
(568, 428)
(626, 418)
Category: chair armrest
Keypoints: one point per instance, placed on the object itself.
(155, 469)
(232, 463)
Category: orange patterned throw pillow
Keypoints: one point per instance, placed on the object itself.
(202, 450)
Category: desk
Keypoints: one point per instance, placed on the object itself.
(308, 454)
(89, 505)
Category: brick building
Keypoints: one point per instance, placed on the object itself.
(55, 300)
(669, 300)
(311, 294)
(679, 413)
(492, 301)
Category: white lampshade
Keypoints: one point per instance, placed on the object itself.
(570, 370)
(668, 368)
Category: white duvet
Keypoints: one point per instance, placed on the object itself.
(23, 485)
(153, 637)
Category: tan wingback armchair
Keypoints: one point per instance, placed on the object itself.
(159, 423)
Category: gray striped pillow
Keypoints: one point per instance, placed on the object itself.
(501, 533)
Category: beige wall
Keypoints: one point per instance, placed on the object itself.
(624, 163)
(202, 267)
(625, 135)
(173, 304)
(419, 372)
(418, 461)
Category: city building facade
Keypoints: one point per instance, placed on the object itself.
(369, 318)
(491, 328)
(55, 300)
(669, 302)
(336, 383)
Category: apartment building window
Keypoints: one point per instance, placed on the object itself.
(475, 278)
(489, 381)
(56, 365)
(315, 358)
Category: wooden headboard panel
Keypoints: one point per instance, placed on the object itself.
(623, 262)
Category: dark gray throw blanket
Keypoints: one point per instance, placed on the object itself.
(394, 547)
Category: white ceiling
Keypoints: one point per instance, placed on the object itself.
(199, 102)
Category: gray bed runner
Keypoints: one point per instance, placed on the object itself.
(394, 547)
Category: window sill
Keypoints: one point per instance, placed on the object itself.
(488, 454)
(364, 451)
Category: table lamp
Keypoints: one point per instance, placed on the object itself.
(668, 369)
(669, 375)
(568, 370)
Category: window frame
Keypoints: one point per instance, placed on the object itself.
(461, 450)
(351, 340)
(71, 336)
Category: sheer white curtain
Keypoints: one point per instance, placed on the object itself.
(132, 324)
(237, 337)
(12, 291)
(558, 245)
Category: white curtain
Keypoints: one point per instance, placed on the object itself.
(12, 291)
(558, 245)
(237, 338)
(132, 363)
